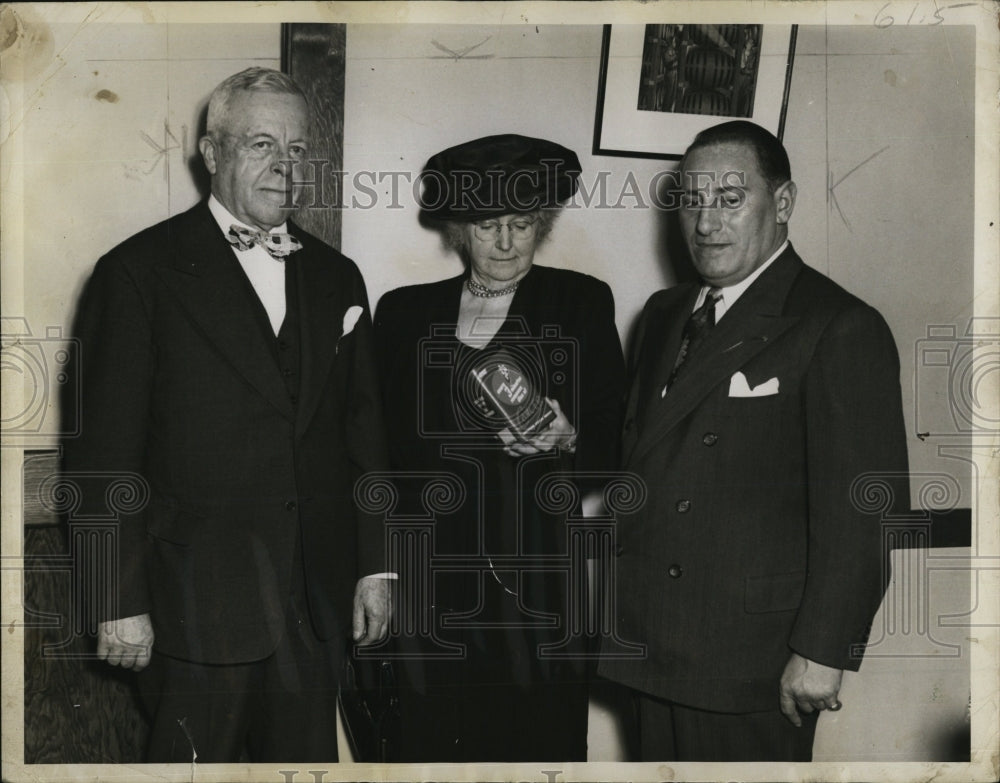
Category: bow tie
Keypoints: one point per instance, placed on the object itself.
(277, 245)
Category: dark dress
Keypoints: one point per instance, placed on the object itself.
(477, 683)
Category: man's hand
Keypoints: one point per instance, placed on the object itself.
(559, 433)
(807, 686)
(372, 609)
(127, 642)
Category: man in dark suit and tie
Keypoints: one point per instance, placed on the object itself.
(764, 401)
(226, 359)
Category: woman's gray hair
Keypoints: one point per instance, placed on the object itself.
(254, 79)
(454, 236)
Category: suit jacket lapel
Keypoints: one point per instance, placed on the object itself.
(658, 341)
(206, 278)
(750, 326)
(322, 305)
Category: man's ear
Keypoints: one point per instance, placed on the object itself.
(784, 200)
(209, 153)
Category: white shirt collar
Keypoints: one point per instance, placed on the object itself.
(225, 218)
(733, 292)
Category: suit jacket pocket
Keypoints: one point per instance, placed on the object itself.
(770, 405)
(171, 524)
(774, 593)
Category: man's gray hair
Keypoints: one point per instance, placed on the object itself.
(254, 79)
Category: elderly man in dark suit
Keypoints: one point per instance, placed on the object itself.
(763, 398)
(226, 359)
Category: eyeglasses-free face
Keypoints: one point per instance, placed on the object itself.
(253, 158)
(732, 224)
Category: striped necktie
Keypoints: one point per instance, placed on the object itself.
(695, 331)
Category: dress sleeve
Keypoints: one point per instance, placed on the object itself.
(601, 386)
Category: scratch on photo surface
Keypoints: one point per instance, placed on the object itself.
(831, 185)
(194, 753)
(460, 54)
(162, 150)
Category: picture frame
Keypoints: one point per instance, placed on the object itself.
(687, 78)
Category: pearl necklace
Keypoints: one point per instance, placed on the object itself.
(478, 289)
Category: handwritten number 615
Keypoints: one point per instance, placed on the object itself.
(883, 19)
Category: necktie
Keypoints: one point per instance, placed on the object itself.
(277, 245)
(695, 331)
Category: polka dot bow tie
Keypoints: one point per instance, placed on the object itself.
(277, 245)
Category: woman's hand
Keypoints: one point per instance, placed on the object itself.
(560, 433)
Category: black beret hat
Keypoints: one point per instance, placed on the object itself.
(497, 175)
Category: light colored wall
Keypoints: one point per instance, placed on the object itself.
(406, 99)
(111, 128)
(97, 170)
(886, 117)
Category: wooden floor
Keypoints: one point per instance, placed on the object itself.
(77, 710)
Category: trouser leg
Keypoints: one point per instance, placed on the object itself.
(673, 732)
(297, 714)
(199, 711)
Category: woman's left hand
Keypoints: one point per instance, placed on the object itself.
(560, 432)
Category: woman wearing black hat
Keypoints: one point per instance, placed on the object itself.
(495, 380)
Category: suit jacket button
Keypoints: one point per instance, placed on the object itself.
(290, 505)
(683, 506)
(675, 571)
(629, 424)
(709, 438)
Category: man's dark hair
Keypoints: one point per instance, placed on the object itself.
(771, 156)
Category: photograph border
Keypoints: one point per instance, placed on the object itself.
(984, 561)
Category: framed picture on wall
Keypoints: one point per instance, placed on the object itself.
(660, 84)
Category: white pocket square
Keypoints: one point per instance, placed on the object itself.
(350, 319)
(739, 387)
